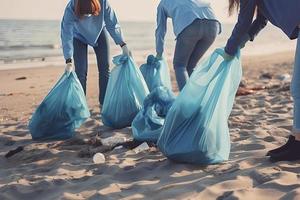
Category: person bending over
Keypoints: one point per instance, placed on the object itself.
(195, 27)
(86, 22)
(285, 15)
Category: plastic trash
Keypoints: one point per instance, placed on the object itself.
(147, 125)
(62, 111)
(156, 73)
(196, 127)
(13, 152)
(112, 141)
(284, 77)
(143, 147)
(99, 158)
(125, 93)
(118, 147)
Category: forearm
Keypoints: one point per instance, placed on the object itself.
(67, 32)
(161, 29)
(259, 23)
(113, 26)
(247, 9)
(116, 34)
(160, 38)
(159, 46)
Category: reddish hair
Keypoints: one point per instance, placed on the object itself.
(233, 5)
(84, 7)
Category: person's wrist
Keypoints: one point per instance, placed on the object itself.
(69, 60)
(123, 44)
(159, 55)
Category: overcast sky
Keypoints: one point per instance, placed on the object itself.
(127, 10)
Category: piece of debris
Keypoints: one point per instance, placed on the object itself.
(243, 83)
(142, 147)
(131, 144)
(99, 158)
(242, 91)
(266, 76)
(118, 147)
(13, 152)
(90, 152)
(113, 141)
(21, 78)
(284, 77)
(95, 141)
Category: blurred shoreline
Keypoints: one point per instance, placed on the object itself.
(36, 43)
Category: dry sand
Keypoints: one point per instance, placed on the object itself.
(61, 170)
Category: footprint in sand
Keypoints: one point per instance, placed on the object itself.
(7, 141)
(249, 147)
(269, 139)
(294, 194)
(262, 176)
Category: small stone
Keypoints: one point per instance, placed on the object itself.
(266, 76)
(284, 77)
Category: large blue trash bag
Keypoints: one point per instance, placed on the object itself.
(125, 93)
(62, 111)
(156, 73)
(147, 125)
(196, 127)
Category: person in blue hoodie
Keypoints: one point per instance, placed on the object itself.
(286, 16)
(195, 27)
(86, 22)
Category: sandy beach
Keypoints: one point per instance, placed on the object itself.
(259, 122)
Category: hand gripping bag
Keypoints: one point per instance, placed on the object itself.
(125, 93)
(147, 125)
(156, 73)
(62, 111)
(196, 127)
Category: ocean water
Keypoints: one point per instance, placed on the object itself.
(27, 41)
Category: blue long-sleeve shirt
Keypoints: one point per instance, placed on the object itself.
(182, 13)
(88, 29)
(284, 14)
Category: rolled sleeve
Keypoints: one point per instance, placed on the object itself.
(246, 14)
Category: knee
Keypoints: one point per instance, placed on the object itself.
(178, 64)
(103, 66)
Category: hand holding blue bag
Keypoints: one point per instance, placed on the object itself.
(62, 111)
(125, 93)
(156, 73)
(196, 127)
(147, 125)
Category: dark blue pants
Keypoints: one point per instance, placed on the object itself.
(81, 62)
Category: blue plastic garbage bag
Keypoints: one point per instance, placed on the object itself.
(147, 125)
(156, 73)
(125, 93)
(62, 111)
(196, 127)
